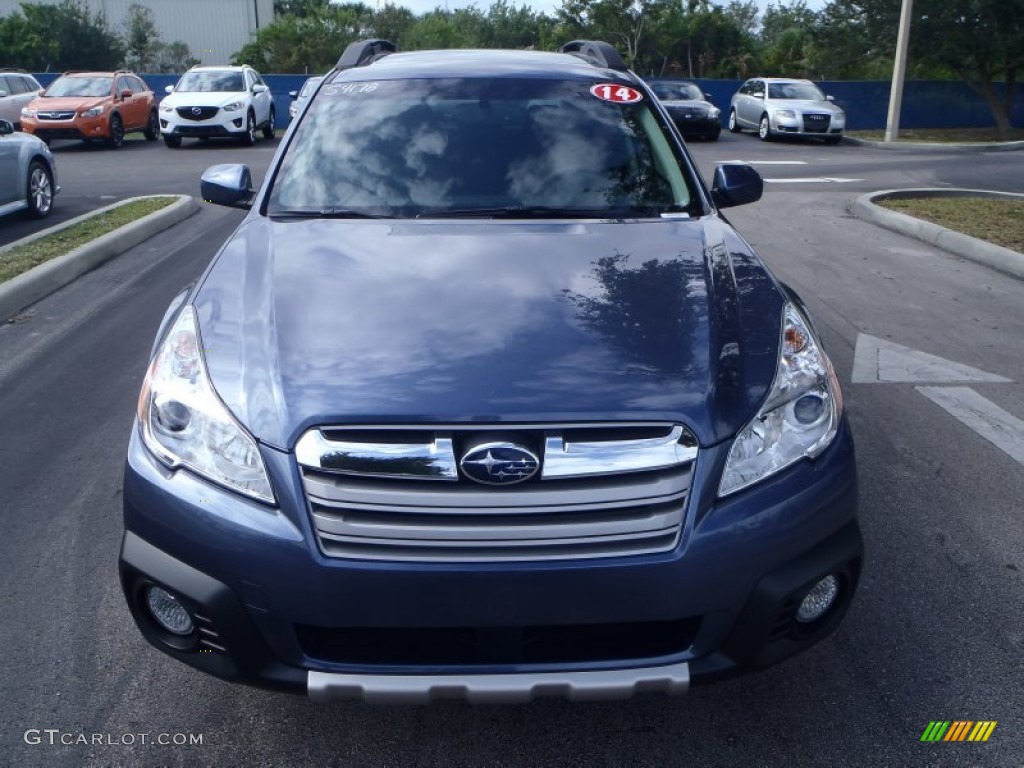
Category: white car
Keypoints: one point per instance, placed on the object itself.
(300, 96)
(775, 106)
(210, 102)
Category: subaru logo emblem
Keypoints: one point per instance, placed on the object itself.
(196, 111)
(499, 464)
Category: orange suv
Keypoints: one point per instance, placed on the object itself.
(93, 105)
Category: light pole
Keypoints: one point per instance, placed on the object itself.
(899, 71)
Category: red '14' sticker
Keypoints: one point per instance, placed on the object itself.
(620, 94)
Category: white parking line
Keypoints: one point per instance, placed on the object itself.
(811, 180)
(768, 162)
(1002, 429)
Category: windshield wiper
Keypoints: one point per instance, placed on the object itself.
(326, 213)
(539, 212)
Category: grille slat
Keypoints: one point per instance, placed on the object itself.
(814, 123)
(380, 518)
(197, 113)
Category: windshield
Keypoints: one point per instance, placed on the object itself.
(309, 86)
(677, 92)
(228, 82)
(805, 91)
(80, 86)
(433, 147)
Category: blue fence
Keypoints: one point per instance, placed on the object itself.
(926, 103)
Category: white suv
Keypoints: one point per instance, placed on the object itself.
(209, 102)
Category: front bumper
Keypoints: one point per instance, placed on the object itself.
(79, 128)
(272, 611)
(808, 125)
(230, 124)
(695, 125)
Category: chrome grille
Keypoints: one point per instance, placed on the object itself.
(197, 113)
(55, 115)
(816, 123)
(388, 493)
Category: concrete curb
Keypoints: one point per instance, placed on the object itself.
(965, 246)
(43, 279)
(931, 146)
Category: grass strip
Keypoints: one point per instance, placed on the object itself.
(997, 221)
(23, 257)
(942, 135)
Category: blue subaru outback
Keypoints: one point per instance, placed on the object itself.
(485, 399)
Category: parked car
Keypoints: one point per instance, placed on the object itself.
(690, 109)
(217, 102)
(28, 173)
(92, 106)
(485, 398)
(301, 95)
(776, 106)
(17, 89)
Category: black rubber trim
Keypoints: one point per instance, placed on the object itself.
(247, 659)
(765, 633)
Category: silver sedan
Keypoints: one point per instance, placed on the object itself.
(775, 106)
(28, 173)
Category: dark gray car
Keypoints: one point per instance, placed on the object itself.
(28, 174)
(690, 109)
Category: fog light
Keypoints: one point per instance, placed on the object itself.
(817, 602)
(168, 612)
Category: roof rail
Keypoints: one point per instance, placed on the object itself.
(363, 52)
(596, 52)
(14, 69)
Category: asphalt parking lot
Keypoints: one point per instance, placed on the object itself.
(936, 631)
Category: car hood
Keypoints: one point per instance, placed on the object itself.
(204, 98)
(313, 322)
(677, 103)
(805, 105)
(58, 103)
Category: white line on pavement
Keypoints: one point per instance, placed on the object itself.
(999, 427)
(768, 162)
(811, 180)
(878, 360)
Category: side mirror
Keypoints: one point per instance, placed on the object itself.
(830, 97)
(260, 88)
(293, 94)
(228, 184)
(736, 184)
(6, 127)
(126, 93)
(3, 93)
(707, 96)
(169, 89)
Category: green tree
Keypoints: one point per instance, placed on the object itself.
(142, 42)
(76, 38)
(307, 43)
(25, 44)
(392, 22)
(979, 41)
(175, 57)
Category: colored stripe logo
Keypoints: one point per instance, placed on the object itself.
(958, 730)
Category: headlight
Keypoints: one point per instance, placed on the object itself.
(787, 113)
(94, 112)
(714, 112)
(26, 112)
(234, 106)
(166, 108)
(185, 424)
(800, 416)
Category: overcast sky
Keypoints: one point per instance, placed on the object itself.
(548, 6)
